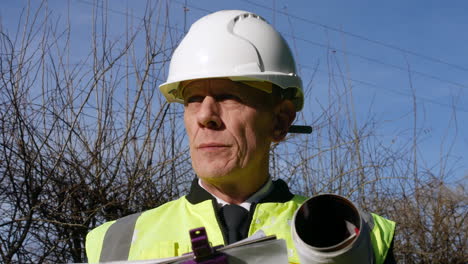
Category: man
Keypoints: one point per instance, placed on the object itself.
(237, 79)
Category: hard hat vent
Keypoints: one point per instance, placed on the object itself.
(247, 15)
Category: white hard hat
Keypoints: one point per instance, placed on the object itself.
(237, 45)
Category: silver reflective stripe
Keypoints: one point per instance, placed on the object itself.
(118, 239)
(369, 222)
(368, 218)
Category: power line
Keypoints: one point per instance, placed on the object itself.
(194, 7)
(377, 42)
(377, 61)
(185, 5)
(373, 85)
(404, 69)
(345, 52)
(117, 12)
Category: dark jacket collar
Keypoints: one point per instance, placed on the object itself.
(279, 194)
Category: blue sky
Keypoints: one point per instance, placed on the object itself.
(381, 45)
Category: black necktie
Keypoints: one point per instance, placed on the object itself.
(234, 217)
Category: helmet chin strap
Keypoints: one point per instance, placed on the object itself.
(300, 129)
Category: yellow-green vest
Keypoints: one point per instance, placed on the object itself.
(164, 231)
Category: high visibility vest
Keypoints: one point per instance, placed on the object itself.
(164, 231)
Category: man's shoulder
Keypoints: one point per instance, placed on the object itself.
(122, 229)
(101, 229)
(299, 199)
(166, 208)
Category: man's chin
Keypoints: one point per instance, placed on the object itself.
(212, 175)
(215, 176)
(213, 169)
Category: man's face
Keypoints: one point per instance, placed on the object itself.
(229, 126)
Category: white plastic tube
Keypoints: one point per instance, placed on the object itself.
(329, 228)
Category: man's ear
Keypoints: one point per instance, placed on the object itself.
(285, 113)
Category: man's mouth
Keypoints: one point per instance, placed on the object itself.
(212, 146)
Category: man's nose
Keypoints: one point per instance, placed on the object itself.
(209, 114)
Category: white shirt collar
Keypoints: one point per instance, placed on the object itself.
(256, 197)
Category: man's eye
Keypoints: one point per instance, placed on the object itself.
(227, 97)
(194, 99)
